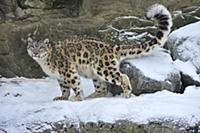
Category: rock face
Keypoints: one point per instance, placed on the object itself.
(118, 127)
(184, 45)
(186, 16)
(189, 75)
(59, 19)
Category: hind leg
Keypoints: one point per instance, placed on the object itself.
(122, 80)
(110, 73)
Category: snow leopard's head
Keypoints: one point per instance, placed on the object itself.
(38, 49)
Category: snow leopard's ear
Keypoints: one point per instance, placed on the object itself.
(29, 40)
(47, 42)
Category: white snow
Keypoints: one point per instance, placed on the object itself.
(190, 30)
(190, 49)
(25, 102)
(156, 65)
(159, 65)
(130, 17)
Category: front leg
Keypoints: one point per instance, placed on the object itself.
(75, 85)
(73, 80)
(65, 91)
(69, 78)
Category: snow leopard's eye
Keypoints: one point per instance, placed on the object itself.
(41, 50)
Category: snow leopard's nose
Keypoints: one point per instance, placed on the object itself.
(35, 54)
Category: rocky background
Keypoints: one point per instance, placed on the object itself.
(57, 19)
(105, 19)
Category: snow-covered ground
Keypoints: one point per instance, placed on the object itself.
(29, 101)
(26, 102)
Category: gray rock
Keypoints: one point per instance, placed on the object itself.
(117, 127)
(188, 80)
(145, 78)
(184, 44)
(189, 74)
(186, 16)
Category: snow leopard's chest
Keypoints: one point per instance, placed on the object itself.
(49, 70)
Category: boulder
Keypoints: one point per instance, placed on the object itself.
(150, 73)
(185, 16)
(188, 73)
(184, 44)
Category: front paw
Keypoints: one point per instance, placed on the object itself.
(76, 98)
(60, 98)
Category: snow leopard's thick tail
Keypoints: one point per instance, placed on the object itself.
(162, 15)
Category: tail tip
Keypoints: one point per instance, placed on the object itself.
(156, 9)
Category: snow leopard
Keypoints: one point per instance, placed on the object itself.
(92, 58)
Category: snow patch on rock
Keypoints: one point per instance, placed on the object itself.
(156, 65)
(184, 44)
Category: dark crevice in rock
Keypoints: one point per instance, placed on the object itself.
(187, 81)
(21, 4)
(2, 15)
(4, 54)
(193, 129)
(2, 12)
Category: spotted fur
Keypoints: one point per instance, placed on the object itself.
(80, 56)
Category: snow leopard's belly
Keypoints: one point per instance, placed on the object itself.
(86, 71)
